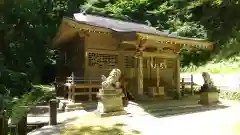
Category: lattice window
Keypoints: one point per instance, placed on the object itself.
(102, 60)
(129, 62)
(158, 62)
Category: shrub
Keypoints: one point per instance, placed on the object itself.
(38, 95)
(230, 95)
(14, 83)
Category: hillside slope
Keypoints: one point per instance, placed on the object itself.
(224, 66)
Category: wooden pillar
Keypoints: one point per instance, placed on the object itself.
(158, 77)
(149, 67)
(53, 112)
(73, 93)
(178, 77)
(72, 78)
(90, 92)
(183, 86)
(192, 84)
(86, 75)
(22, 125)
(3, 123)
(121, 61)
(140, 75)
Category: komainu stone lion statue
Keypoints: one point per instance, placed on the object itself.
(112, 81)
(207, 79)
(208, 83)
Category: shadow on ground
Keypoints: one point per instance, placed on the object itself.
(52, 130)
(117, 129)
(168, 112)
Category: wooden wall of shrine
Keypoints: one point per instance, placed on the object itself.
(71, 58)
(104, 53)
(97, 54)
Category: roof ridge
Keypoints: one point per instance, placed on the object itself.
(104, 16)
(136, 27)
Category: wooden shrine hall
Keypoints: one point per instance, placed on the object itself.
(90, 46)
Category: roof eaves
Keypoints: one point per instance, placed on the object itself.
(160, 33)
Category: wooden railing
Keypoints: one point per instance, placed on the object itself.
(82, 80)
(81, 86)
(22, 127)
(187, 81)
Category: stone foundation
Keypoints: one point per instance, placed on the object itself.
(208, 98)
(109, 114)
(110, 100)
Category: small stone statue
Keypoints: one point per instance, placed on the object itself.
(208, 83)
(112, 81)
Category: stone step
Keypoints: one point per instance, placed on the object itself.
(74, 105)
(163, 112)
(160, 105)
(172, 108)
(80, 106)
(73, 109)
(67, 105)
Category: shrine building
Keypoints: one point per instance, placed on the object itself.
(90, 46)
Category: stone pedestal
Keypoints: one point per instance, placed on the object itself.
(110, 101)
(208, 98)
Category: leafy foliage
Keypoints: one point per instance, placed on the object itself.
(230, 95)
(17, 107)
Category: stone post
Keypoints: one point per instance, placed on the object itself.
(53, 112)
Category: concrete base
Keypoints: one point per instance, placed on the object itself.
(109, 114)
(109, 107)
(207, 98)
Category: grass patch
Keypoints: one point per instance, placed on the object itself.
(230, 65)
(116, 129)
(229, 95)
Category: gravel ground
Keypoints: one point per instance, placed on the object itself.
(217, 122)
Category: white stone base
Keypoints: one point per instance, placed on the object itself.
(110, 102)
